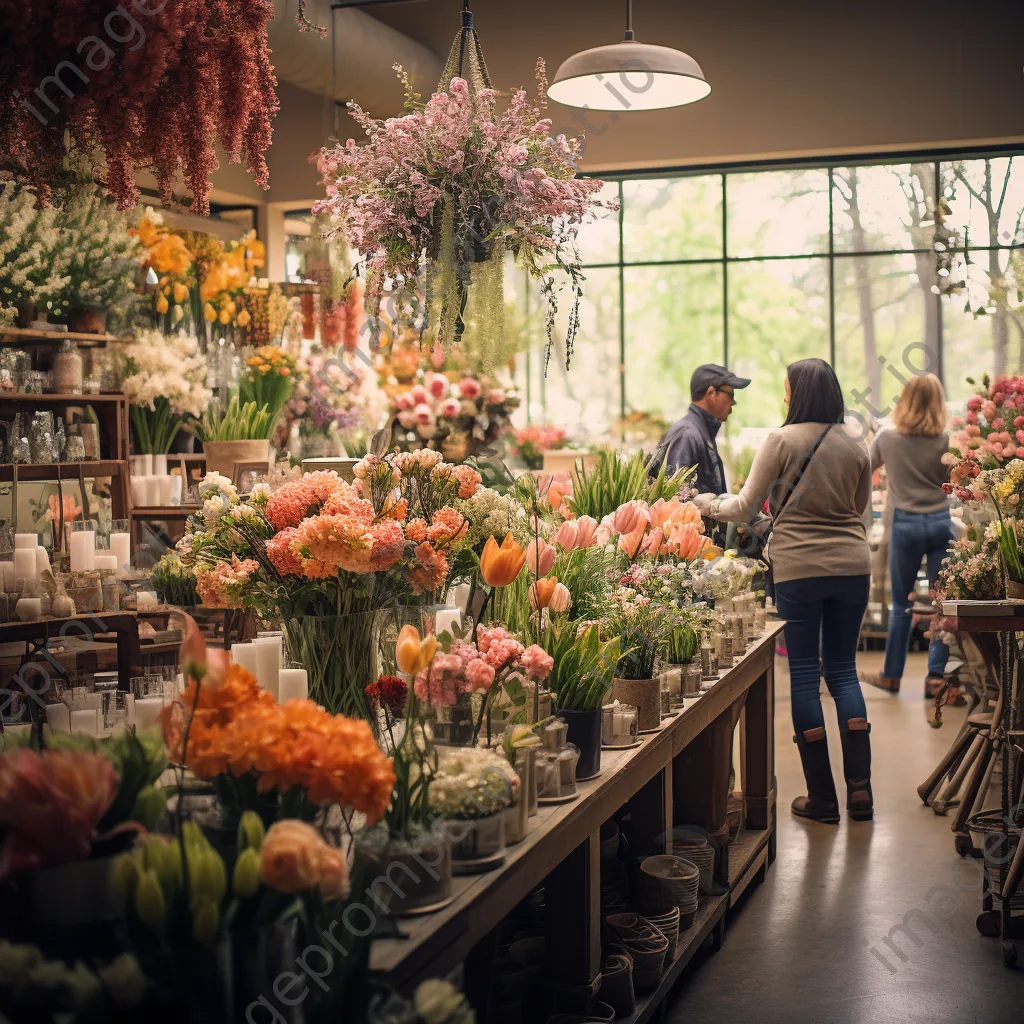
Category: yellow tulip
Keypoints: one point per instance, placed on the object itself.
(180, 292)
(224, 317)
(499, 566)
(162, 305)
(244, 318)
(413, 655)
(209, 313)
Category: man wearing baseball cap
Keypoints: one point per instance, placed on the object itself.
(691, 440)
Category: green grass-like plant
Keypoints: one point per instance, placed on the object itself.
(584, 665)
(248, 422)
(613, 481)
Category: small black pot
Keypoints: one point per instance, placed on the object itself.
(585, 733)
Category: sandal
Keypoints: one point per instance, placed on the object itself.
(880, 682)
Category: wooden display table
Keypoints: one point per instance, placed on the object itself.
(562, 846)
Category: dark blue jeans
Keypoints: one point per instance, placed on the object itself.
(823, 615)
(915, 536)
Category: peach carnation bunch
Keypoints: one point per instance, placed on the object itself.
(238, 728)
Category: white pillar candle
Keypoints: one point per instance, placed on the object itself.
(147, 711)
(293, 684)
(42, 561)
(28, 609)
(176, 489)
(244, 655)
(25, 564)
(85, 722)
(7, 568)
(159, 465)
(58, 717)
(26, 540)
(165, 486)
(145, 601)
(105, 561)
(138, 494)
(268, 664)
(83, 550)
(445, 619)
(121, 548)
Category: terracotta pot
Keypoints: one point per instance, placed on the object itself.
(88, 321)
(221, 456)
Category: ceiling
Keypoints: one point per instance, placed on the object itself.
(789, 79)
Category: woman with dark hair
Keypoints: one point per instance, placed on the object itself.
(817, 479)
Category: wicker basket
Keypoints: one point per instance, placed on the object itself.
(668, 925)
(617, 983)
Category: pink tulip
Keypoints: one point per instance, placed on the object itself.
(652, 545)
(567, 535)
(629, 516)
(602, 535)
(561, 599)
(540, 556)
(586, 530)
(663, 511)
(630, 543)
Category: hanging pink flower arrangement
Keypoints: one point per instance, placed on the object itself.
(146, 85)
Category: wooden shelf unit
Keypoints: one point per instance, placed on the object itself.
(68, 473)
(26, 336)
(562, 848)
(111, 410)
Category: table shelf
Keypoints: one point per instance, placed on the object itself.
(435, 944)
(28, 336)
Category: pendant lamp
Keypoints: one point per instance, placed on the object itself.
(629, 76)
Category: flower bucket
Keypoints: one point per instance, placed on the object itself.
(410, 876)
(79, 895)
(478, 844)
(259, 954)
(585, 733)
(221, 456)
(517, 817)
(341, 654)
(643, 694)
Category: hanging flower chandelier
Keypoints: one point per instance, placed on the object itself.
(447, 191)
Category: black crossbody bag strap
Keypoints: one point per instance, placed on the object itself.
(801, 473)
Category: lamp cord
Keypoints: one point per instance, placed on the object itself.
(629, 21)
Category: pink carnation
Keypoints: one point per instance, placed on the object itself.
(479, 675)
(537, 662)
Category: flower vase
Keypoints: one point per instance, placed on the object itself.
(259, 954)
(585, 732)
(517, 817)
(645, 696)
(160, 465)
(412, 876)
(341, 654)
(454, 723)
(478, 844)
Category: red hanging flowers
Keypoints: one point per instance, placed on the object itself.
(144, 85)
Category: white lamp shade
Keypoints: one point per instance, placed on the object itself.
(629, 76)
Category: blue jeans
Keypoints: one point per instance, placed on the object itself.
(915, 536)
(823, 614)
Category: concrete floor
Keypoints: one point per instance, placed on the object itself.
(812, 944)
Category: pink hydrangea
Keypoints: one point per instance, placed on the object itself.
(537, 662)
(479, 675)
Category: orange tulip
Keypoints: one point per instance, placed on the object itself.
(499, 566)
(543, 591)
(412, 654)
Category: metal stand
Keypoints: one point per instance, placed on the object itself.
(1002, 838)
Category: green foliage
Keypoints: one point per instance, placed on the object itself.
(175, 582)
(613, 481)
(683, 644)
(238, 422)
(584, 666)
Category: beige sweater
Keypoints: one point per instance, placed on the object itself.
(821, 530)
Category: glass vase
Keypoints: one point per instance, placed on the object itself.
(341, 654)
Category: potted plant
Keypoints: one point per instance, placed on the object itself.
(470, 791)
(584, 667)
(175, 582)
(640, 626)
(268, 382)
(163, 376)
(239, 433)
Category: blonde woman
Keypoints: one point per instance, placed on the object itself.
(917, 514)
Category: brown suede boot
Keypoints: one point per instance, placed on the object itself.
(821, 803)
(856, 738)
(887, 683)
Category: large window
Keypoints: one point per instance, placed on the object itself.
(883, 269)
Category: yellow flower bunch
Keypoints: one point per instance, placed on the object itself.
(271, 359)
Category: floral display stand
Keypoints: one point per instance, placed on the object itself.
(1005, 619)
(563, 849)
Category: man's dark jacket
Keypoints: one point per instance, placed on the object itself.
(691, 442)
